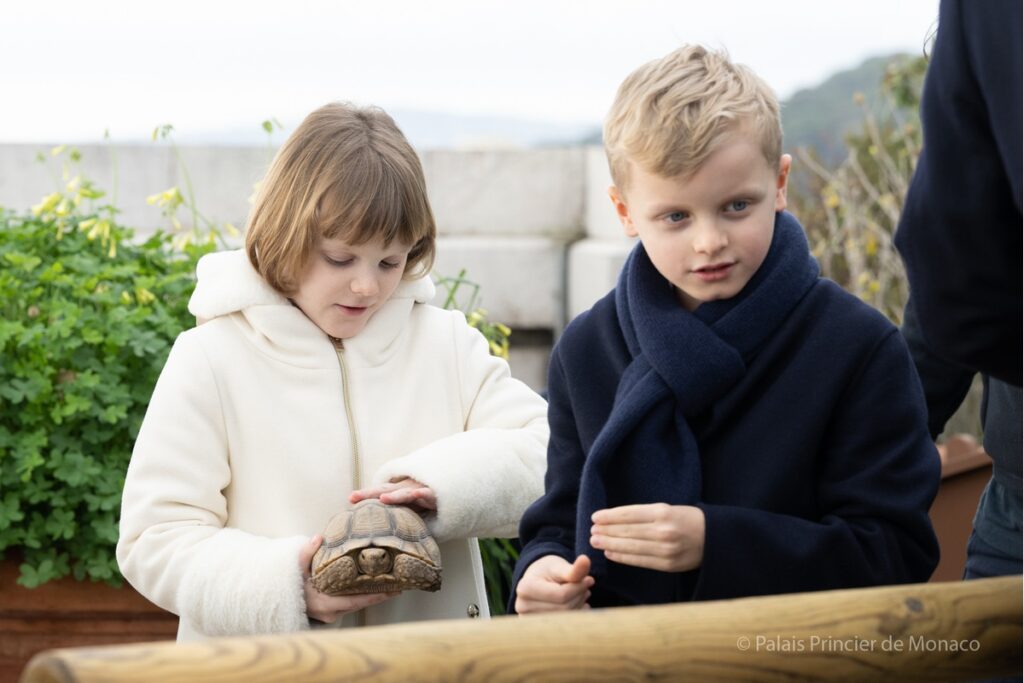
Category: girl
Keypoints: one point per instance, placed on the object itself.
(318, 377)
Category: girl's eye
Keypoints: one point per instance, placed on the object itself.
(737, 206)
(388, 266)
(335, 262)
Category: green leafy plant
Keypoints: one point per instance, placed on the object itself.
(499, 555)
(89, 317)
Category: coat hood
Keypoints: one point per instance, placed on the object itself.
(228, 284)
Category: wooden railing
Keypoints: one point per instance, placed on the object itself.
(923, 632)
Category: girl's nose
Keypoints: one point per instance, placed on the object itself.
(365, 286)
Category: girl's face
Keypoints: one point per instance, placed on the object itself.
(344, 284)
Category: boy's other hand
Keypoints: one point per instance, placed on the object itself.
(327, 608)
(551, 584)
(668, 538)
(404, 492)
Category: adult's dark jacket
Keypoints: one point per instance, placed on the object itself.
(817, 467)
(960, 233)
(945, 387)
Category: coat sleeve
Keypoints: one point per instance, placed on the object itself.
(173, 545)
(549, 525)
(879, 472)
(486, 475)
(945, 384)
(960, 229)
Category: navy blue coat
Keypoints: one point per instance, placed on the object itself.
(818, 469)
(960, 230)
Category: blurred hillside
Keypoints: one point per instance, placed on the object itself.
(821, 116)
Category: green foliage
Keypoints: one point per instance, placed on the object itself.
(88, 318)
(496, 334)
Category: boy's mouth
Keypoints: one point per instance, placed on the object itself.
(715, 271)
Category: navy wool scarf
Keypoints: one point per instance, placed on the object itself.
(682, 363)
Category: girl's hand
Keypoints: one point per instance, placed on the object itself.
(668, 538)
(552, 584)
(404, 492)
(327, 608)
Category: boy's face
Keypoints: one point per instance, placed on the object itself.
(344, 284)
(709, 233)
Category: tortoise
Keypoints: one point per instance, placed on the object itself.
(376, 548)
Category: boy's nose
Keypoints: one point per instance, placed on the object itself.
(709, 238)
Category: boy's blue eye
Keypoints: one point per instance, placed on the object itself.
(676, 217)
(738, 205)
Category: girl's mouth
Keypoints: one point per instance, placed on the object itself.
(354, 311)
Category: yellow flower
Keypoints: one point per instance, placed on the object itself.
(47, 204)
(126, 298)
(144, 296)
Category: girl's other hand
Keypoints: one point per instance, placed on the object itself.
(403, 492)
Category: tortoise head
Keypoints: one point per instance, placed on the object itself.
(374, 561)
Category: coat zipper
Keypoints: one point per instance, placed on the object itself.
(339, 349)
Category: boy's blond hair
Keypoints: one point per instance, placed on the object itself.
(346, 173)
(670, 114)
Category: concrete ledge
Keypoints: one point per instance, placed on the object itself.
(141, 171)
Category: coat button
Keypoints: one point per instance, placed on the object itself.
(472, 611)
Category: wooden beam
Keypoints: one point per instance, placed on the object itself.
(922, 632)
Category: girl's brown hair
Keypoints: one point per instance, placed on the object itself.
(346, 173)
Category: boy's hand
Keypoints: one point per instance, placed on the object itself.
(404, 492)
(551, 584)
(668, 538)
(327, 608)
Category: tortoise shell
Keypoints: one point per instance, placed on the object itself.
(376, 548)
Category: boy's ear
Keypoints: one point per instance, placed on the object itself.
(785, 163)
(622, 211)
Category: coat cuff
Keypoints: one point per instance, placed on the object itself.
(240, 584)
(484, 480)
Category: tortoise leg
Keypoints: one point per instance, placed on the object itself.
(416, 573)
(337, 577)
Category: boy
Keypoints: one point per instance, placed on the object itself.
(724, 423)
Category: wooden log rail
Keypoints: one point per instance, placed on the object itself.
(922, 632)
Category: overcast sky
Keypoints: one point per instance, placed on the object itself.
(71, 69)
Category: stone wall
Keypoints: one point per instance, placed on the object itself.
(533, 228)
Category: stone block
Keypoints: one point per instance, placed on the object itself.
(520, 279)
(535, 192)
(593, 269)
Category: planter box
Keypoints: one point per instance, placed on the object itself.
(966, 469)
(69, 613)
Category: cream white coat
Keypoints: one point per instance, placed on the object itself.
(245, 452)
